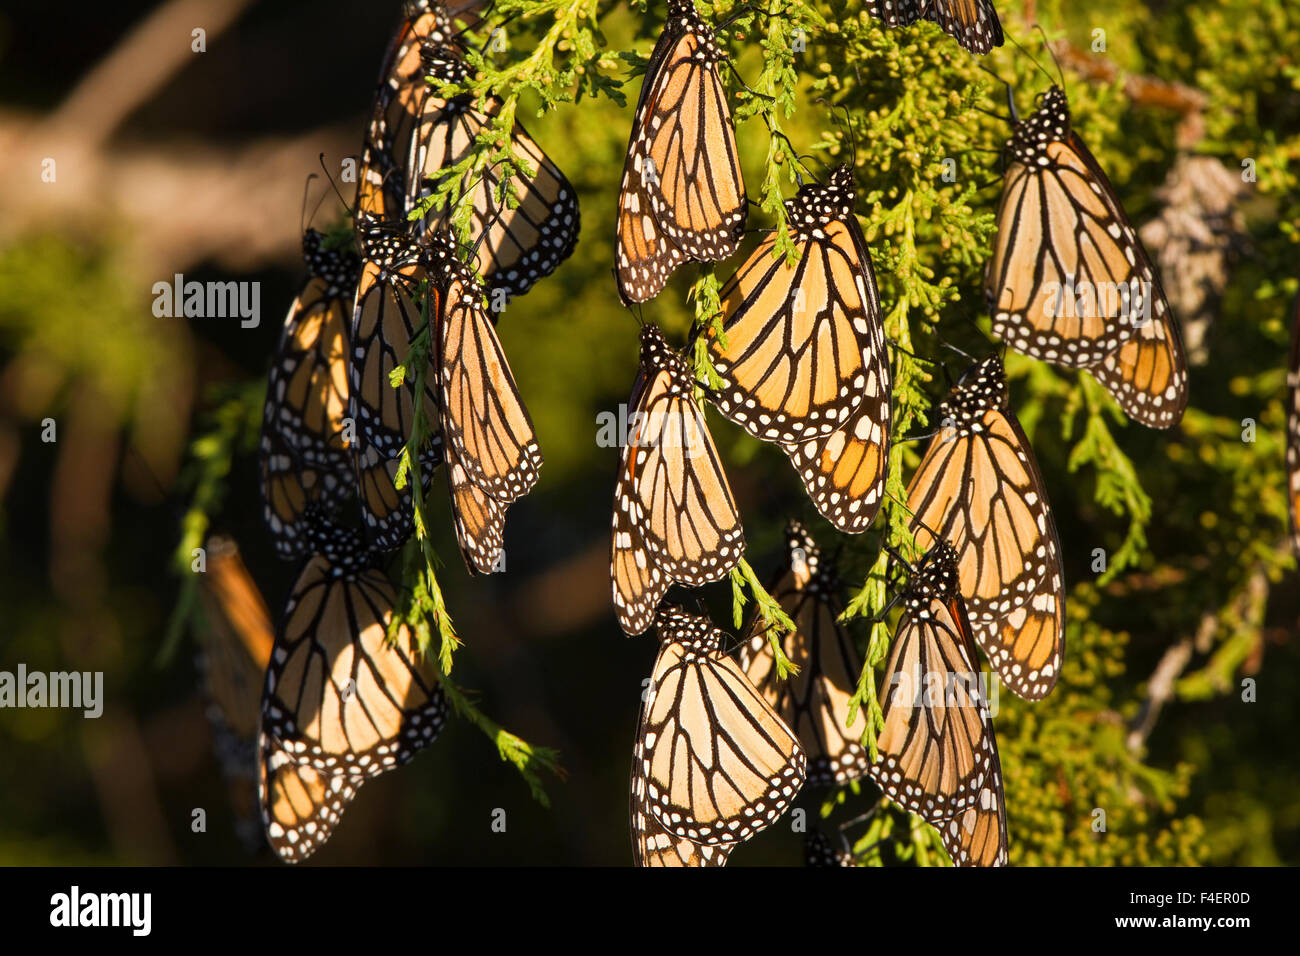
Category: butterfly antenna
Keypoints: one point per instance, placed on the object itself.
(335, 186)
(1051, 52)
(848, 122)
(1033, 59)
(894, 345)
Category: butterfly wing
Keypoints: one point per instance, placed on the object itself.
(983, 493)
(815, 701)
(518, 245)
(972, 23)
(1147, 375)
(805, 346)
(977, 836)
(304, 461)
(389, 316)
(720, 765)
(300, 805)
(339, 696)
(484, 417)
(682, 195)
(479, 519)
(395, 114)
(934, 748)
(652, 845)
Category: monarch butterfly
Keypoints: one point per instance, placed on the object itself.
(1070, 282)
(303, 455)
(804, 363)
(936, 745)
(979, 487)
(381, 182)
(398, 281)
(972, 23)
(674, 517)
(341, 703)
(682, 195)
(483, 415)
(235, 645)
(339, 695)
(977, 836)
(815, 702)
(519, 245)
(1293, 433)
(719, 765)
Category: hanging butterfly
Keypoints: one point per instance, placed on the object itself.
(515, 246)
(977, 836)
(304, 459)
(484, 418)
(234, 637)
(936, 745)
(682, 196)
(675, 520)
(399, 280)
(804, 363)
(814, 702)
(1070, 282)
(972, 23)
(1293, 433)
(718, 763)
(381, 181)
(979, 487)
(341, 703)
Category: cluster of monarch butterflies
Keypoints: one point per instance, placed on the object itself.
(342, 700)
(800, 357)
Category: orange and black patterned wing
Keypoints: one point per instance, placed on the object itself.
(977, 836)
(719, 763)
(301, 806)
(674, 516)
(304, 460)
(1069, 281)
(979, 487)
(393, 295)
(682, 195)
(484, 417)
(652, 845)
(935, 749)
(804, 344)
(972, 23)
(815, 701)
(339, 696)
(515, 246)
(395, 113)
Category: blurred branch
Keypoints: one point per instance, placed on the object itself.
(137, 68)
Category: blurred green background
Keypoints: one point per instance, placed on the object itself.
(174, 161)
